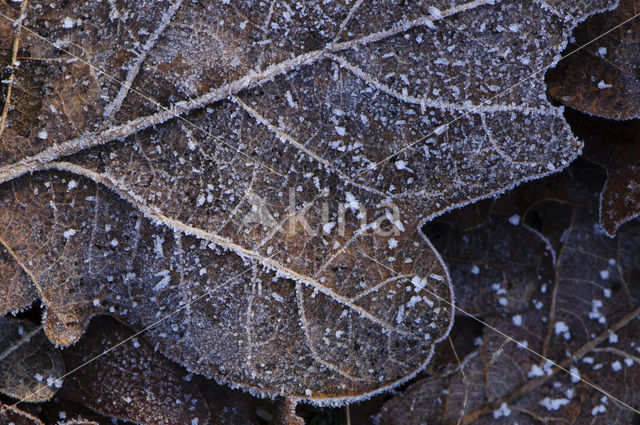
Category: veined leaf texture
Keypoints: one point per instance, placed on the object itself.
(274, 161)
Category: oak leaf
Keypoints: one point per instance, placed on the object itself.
(131, 382)
(30, 365)
(585, 320)
(603, 77)
(303, 144)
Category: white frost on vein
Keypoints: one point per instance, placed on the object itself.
(157, 245)
(400, 315)
(418, 283)
(602, 85)
(351, 203)
(70, 22)
(414, 300)
(164, 281)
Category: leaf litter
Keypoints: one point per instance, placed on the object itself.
(133, 212)
(582, 314)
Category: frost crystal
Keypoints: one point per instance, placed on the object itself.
(554, 404)
(503, 410)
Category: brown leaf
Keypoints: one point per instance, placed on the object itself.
(603, 78)
(130, 382)
(13, 416)
(189, 269)
(59, 410)
(496, 267)
(587, 322)
(228, 407)
(285, 413)
(615, 146)
(30, 366)
(284, 111)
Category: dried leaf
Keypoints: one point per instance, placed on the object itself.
(504, 260)
(60, 410)
(228, 407)
(130, 382)
(587, 322)
(602, 78)
(13, 416)
(289, 109)
(286, 413)
(614, 146)
(16, 290)
(30, 365)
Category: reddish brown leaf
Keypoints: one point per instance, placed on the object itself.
(587, 321)
(131, 382)
(30, 365)
(235, 121)
(603, 78)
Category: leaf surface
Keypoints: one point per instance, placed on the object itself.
(283, 141)
(30, 365)
(586, 321)
(506, 262)
(130, 382)
(614, 146)
(603, 77)
(11, 415)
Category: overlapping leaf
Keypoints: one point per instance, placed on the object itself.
(614, 146)
(586, 321)
(511, 262)
(603, 77)
(130, 382)
(230, 407)
(30, 366)
(12, 415)
(319, 137)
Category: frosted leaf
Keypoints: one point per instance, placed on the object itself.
(602, 79)
(238, 331)
(29, 362)
(500, 372)
(129, 383)
(13, 415)
(297, 117)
